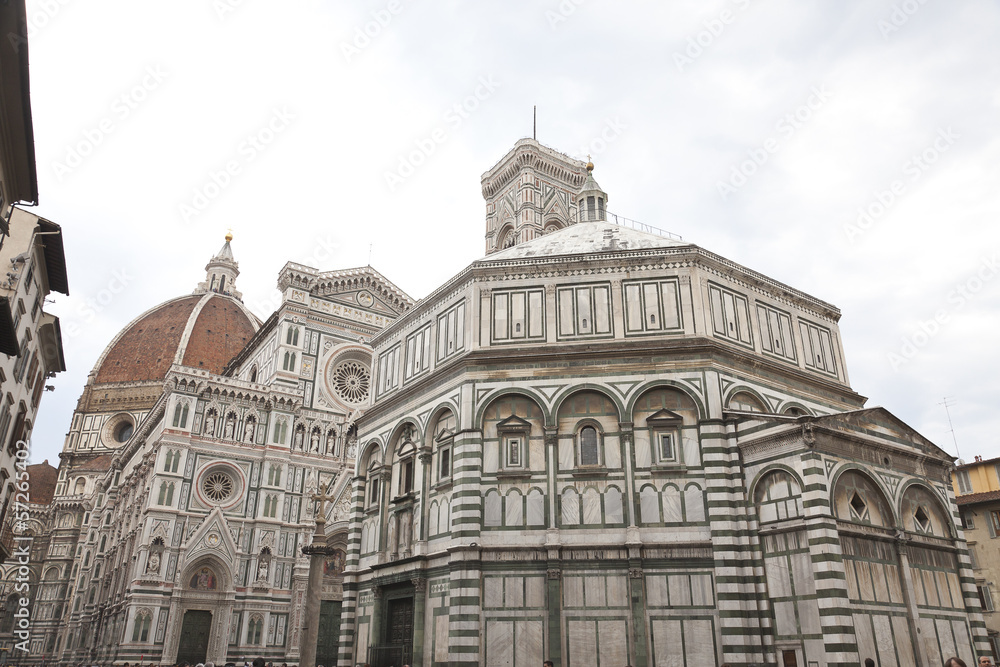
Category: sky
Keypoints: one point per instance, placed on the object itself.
(848, 149)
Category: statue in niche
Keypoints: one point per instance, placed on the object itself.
(230, 427)
(405, 533)
(262, 571)
(331, 440)
(299, 434)
(352, 449)
(210, 424)
(392, 537)
(314, 442)
(153, 566)
(248, 432)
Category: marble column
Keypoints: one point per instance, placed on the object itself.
(317, 552)
(419, 611)
(910, 598)
(638, 599)
(553, 592)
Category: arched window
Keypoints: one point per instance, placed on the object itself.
(177, 455)
(407, 462)
(170, 494)
(255, 630)
(162, 498)
(168, 459)
(271, 506)
(280, 431)
(140, 629)
(292, 337)
(181, 415)
(274, 475)
(374, 470)
(589, 446)
(253, 373)
(81, 485)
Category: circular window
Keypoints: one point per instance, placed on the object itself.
(117, 430)
(351, 380)
(218, 486)
(124, 432)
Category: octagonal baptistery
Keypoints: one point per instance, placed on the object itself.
(203, 330)
(621, 444)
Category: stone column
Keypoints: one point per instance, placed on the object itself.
(638, 608)
(317, 552)
(553, 600)
(419, 611)
(910, 599)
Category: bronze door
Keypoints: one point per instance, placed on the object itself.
(195, 630)
(329, 633)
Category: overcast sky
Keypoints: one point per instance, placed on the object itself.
(322, 131)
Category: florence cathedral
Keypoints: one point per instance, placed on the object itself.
(598, 444)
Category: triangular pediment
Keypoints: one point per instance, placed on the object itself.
(211, 537)
(514, 423)
(664, 417)
(364, 300)
(879, 422)
(363, 288)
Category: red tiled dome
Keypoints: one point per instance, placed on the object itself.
(147, 347)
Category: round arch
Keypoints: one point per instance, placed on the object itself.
(795, 405)
(744, 389)
(752, 490)
(879, 486)
(396, 434)
(949, 522)
(565, 394)
(525, 392)
(220, 568)
(436, 412)
(638, 392)
(365, 455)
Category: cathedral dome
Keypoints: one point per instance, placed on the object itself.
(201, 330)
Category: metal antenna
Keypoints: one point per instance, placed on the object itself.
(946, 405)
(369, 254)
(534, 122)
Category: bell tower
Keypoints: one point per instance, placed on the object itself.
(531, 191)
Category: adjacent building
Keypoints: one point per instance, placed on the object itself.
(32, 264)
(977, 490)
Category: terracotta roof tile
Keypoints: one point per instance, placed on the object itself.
(146, 350)
(973, 498)
(221, 331)
(96, 464)
(42, 482)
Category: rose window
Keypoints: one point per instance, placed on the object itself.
(218, 486)
(351, 380)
